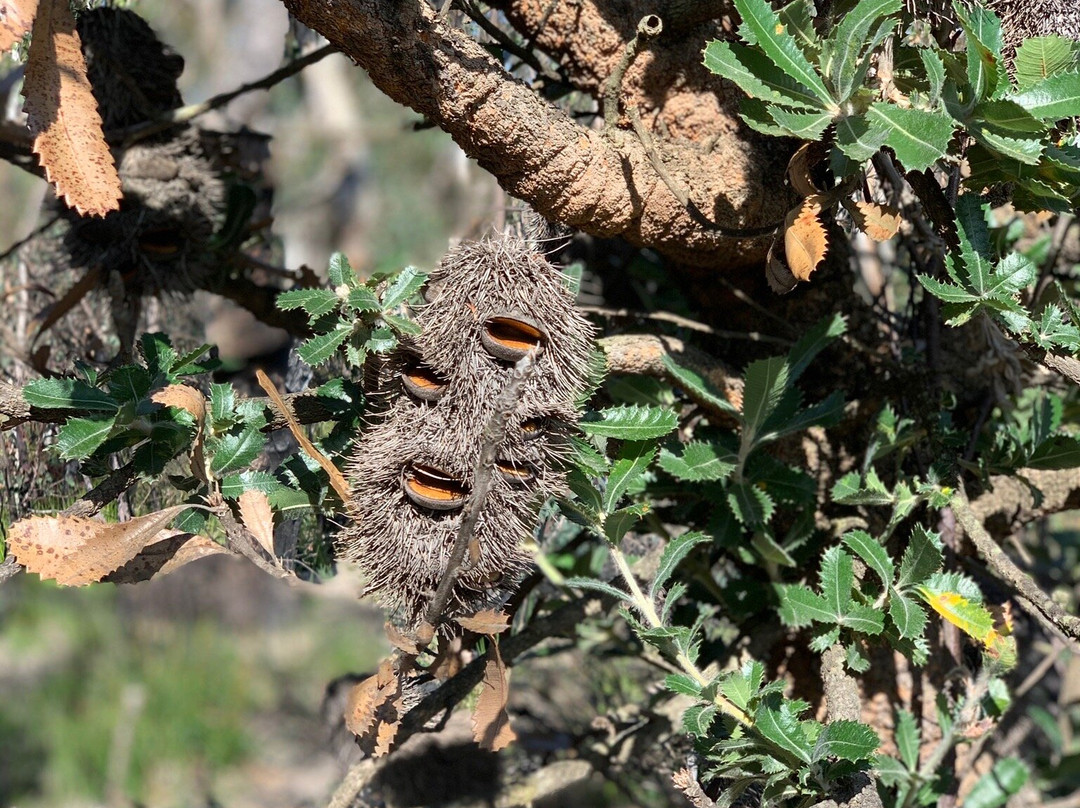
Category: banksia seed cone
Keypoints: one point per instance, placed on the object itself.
(489, 304)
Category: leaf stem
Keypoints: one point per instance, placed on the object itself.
(647, 609)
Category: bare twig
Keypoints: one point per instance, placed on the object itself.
(682, 194)
(506, 43)
(105, 492)
(140, 131)
(648, 28)
(494, 435)
(1032, 599)
(684, 322)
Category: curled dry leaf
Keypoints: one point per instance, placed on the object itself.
(337, 479)
(449, 661)
(778, 275)
(191, 400)
(879, 222)
(76, 551)
(798, 171)
(369, 696)
(491, 724)
(486, 621)
(16, 17)
(171, 550)
(63, 116)
(805, 240)
(401, 641)
(258, 518)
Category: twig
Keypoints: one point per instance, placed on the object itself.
(648, 27)
(685, 322)
(105, 492)
(133, 134)
(681, 193)
(357, 777)
(1032, 599)
(506, 43)
(494, 435)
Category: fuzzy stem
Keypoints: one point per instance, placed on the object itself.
(647, 609)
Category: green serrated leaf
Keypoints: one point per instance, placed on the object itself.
(321, 347)
(1053, 98)
(778, 724)
(743, 685)
(158, 352)
(80, 437)
(946, 291)
(872, 553)
(800, 606)
(756, 76)
(846, 41)
(907, 615)
(405, 284)
(803, 125)
(232, 452)
(751, 505)
(837, 578)
(985, 67)
(363, 299)
(68, 394)
(630, 422)
(631, 464)
(922, 558)
(681, 683)
(698, 719)
(864, 619)
(618, 523)
(700, 386)
(1058, 452)
(593, 585)
(1041, 57)
(907, 739)
(847, 740)
(129, 383)
(766, 545)
(402, 325)
(812, 342)
(855, 660)
(698, 462)
(780, 47)
(341, 272)
(381, 340)
(766, 380)
(859, 138)
(316, 302)
(935, 73)
(676, 550)
(918, 137)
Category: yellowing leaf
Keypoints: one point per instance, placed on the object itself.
(805, 240)
(491, 724)
(879, 222)
(257, 517)
(76, 551)
(63, 116)
(972, 618)
(16, 16)
(486, 621)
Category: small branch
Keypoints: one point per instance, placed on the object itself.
(681, 194)
(357, 778)
(1033, 599)
(648, 27)
(684, 322)
(1066, 366)
(108, 490)
(843, 704)
(506, 43)
(133, 134)
(494, 435)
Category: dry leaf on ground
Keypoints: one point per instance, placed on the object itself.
(879, 222)
(16, 17)
(491, 724)
(76, 551)
(171, 550)
(805, 240)
(63, 115)
(258, 518)
(486, 621)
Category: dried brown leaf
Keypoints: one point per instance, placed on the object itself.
(385, 734)
(16, 17)
(778, 275)
(258, 518)
(171, 550)
(798, 171)
(193, 401)
(879, 222)
(337, 479)
(76, 551)
(448, 662)
(805, 239)
(63, 115)
(368, 696)
(401, 641)
(491, 724)
(486, 621)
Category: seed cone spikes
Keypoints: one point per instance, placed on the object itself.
(489, 303)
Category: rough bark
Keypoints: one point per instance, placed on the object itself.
(601, 183)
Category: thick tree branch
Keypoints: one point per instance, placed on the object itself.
(569, 173)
